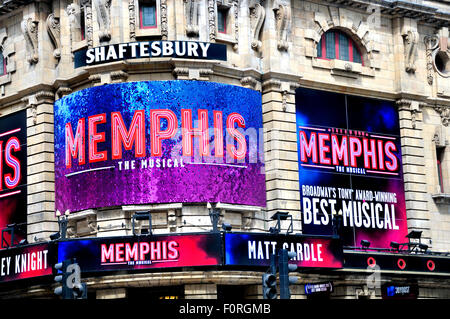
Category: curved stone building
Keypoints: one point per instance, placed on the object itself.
(93, 91)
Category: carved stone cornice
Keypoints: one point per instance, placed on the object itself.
(119, 76)
(249, 82)
(54, 31)
(30, 33)
(418, 11)
(414, 107)
(45, 96)
(63, 91)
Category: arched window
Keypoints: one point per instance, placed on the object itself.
(2, 64)
(338, 45)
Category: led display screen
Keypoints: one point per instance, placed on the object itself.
(350, 165)
(158, 142)
(26, 262)
(13, 175)
(143, 252)
(255, 250)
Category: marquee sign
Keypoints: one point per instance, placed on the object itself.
(13, 173)
(150, 49)
(27, 262)
(143, 252)
(349, 155)
(252, 249)
(158, 142)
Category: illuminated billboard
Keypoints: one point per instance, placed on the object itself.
(158, 142)
(27, 262)
(250, 249)
(13, 174)
(350, 164)
(143, 252)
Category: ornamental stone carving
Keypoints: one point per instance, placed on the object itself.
(164, 23)
(132, 17)
(444, 112)
(103, 8)
(257, 17)
(282, 12)
(410, 39)
(87, 5)
(30, 33)
(191, 7)
(73, 12)
(54, 31)
(431, 44)
(212, 21)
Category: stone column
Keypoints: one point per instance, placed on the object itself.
(412, 143)
(41, 177)
(280, 151)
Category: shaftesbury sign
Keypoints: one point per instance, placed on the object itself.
(151, 49)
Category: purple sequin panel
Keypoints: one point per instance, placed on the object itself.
(170, 177)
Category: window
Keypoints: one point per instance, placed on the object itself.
(82, 24)
(222, 14)
(2, 64)
(147, 14)
(338, 45)
(439, 158)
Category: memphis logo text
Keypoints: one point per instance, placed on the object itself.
(348, 151)
(123, 137)
(143, 253)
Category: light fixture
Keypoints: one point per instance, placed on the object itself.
(142, 215)
(423, 247)
(365, 244)
(214, 214)
(226, 226)
(414, 234)
(55, 236)
(279, 216)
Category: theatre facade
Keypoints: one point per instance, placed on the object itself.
(171, 147)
